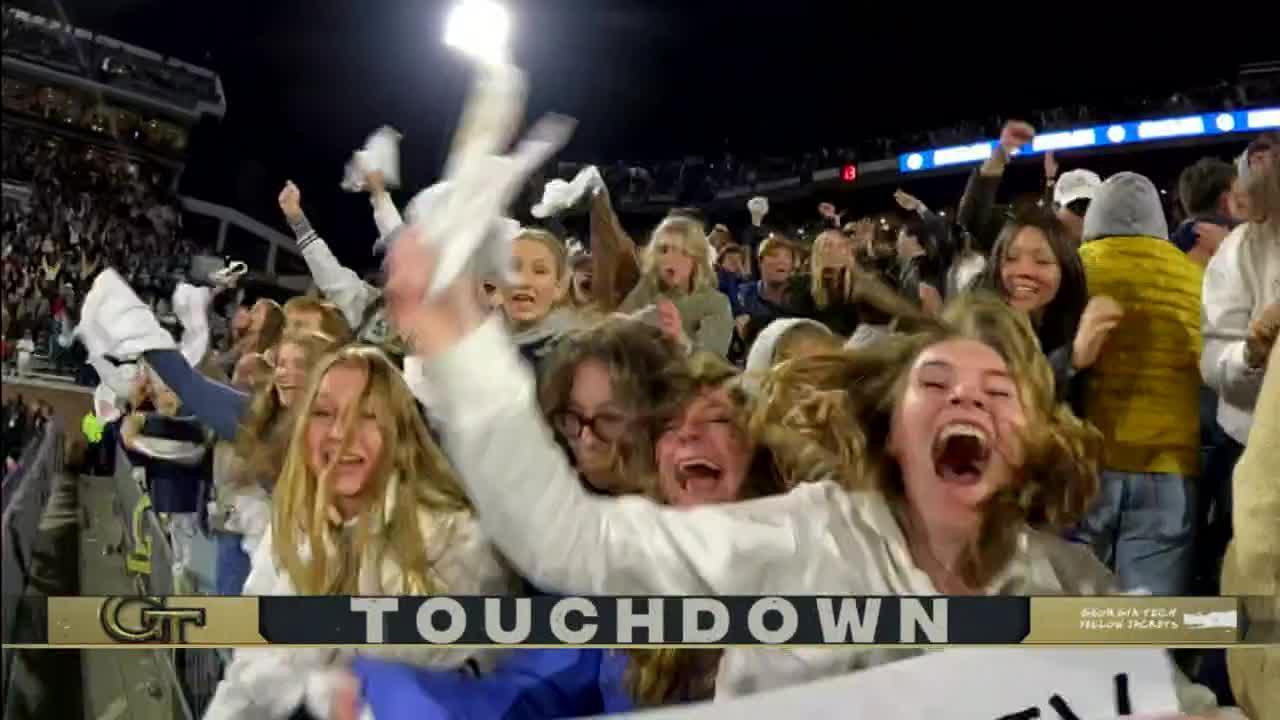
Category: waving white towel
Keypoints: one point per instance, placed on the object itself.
(466, 209)
(381, 153)
(559, 195)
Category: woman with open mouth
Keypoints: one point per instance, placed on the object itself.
(702, 456)
(116, 323)
(366, 504)
(954, 456)
(676, 267)
(534, 299)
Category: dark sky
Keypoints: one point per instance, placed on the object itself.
(307, 81)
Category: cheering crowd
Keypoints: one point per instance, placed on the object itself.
(1048, 398)
(87, 210)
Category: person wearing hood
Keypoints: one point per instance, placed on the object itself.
(1144, 390)
(1204, 191)
(785, 339)
(534, 299)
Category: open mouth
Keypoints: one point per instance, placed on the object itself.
(698, 476)
(960, 453)
(1023, 290)
(346, 461)
(522, 297)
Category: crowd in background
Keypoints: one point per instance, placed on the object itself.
(83, 208)
(21, 421)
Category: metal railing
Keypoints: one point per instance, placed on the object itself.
(26, 492)
(193, 672)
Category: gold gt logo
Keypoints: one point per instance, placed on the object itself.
(156, 622)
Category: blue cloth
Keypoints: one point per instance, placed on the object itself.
(1142, 526)
(535, 684)
(232, 565)
(219, 406)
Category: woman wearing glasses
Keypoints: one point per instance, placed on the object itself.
(596, 389)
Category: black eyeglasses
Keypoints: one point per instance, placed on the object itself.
(606, 426)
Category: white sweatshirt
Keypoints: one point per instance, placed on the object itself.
(271, 683)
(817, 539)
(1242, 279)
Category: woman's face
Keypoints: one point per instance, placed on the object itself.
(1030, 272)
(337, 407)
(673, 264)
(593, 423)
(954, 433)
(290, 376)
(536, 282)
(703, 455)
(258, 316)
(834, 250)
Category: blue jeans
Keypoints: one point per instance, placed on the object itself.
(233, 563)
(1142, 526)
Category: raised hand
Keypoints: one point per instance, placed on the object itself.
(290, 201)
(1262, 336)
(1100, 317)
(1016, 134)
(908, 202)
(1050, 166)
(669, 320)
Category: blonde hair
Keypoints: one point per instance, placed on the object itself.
(412, 475)
(817, 266)
(261, 437)
(844, 402)
(687, 235)
(1262, 190)
(332, 322)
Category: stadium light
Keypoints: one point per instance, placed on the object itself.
(479, 29)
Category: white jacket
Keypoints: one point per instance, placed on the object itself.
(817, 539)
(1242, 279)
(338, 283)
(271, 683)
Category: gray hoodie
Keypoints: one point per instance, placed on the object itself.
(1127, 204)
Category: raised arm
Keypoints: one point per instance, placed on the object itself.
(219, 406)
(342, 286)
(544, 522)
(615, 260)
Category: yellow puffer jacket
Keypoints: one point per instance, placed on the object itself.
(1144, 390)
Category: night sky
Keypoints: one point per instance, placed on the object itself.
(307, 81)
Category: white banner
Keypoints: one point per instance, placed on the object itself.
(977, 684)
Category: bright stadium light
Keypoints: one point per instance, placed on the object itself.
(1116, 133)
(479, 28)
(1225, 122)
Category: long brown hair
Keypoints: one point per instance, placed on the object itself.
(668, 675)
(844, 403)
(263, 432)
(644, 371)
(269, 334)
